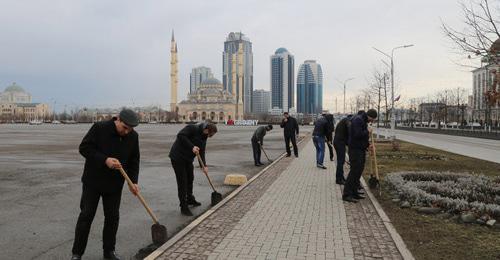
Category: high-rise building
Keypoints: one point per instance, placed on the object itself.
(173, 74)
(282, 80)
(198, 75)
(310, 88)
(261, 101)
(237, 68)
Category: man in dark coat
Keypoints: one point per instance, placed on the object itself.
(190, 141)
(290, 130)
(339, 143)
(329, 135)
(358, 144)
(107, 147)
(321, 129)
(258, 142)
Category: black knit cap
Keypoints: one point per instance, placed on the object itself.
(129, 117)
(270, 127)
(372, 113)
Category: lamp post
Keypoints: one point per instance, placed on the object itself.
(393, 120)
(344, 83)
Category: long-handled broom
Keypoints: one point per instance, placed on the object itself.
(374, 181)
(216, 197)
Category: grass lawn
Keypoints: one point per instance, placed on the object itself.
(432, 236)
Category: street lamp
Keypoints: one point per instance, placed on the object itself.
(344, 83)
(393, 120)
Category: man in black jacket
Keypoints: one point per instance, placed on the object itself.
(339, 143)
(358, 144)
(329, 135)
(290, 130)
(190, 141)
(107, 147)
(258, 141)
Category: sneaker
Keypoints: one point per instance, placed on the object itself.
(186, 212)
(321, 166)
(110, 255)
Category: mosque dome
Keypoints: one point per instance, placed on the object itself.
(211, 81)
(280, 50)
(14, 88)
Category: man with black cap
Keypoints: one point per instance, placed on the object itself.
(258, 142)
(358, 144)
(190, 141)
(339, 143)
(290, 130)
(107, 147)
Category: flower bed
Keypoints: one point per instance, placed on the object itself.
(453, 192)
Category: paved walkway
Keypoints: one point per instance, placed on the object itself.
(292, 211)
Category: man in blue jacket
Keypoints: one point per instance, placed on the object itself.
(358, 144)
(191, 140)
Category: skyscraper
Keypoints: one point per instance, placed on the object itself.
(197, 76)
(173, 74)
(261, 101)
(310, 88)
(282, 79)
(237, 68)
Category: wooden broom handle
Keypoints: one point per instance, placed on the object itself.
(203, 167)
(141, 199)
(374, 155)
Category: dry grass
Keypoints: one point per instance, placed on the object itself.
(433, 237)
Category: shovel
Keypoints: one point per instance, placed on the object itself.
(216, 197)
(374, 182)
(158, 232)
(262, 148)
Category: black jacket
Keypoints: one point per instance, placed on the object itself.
(103, 141)
(358, 134)
(290, 127)
(259, 134)
(187, 138)
(342, 130)
(321, 127)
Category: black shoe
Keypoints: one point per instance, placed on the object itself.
(186, 212)
(296, 156)
(349, 199)
(321, 166)
(340, 182)
(258, 164)
(288, 155)
(76, 257)
(358, 196)
(361, 192)
(192, 201)
(111, 255)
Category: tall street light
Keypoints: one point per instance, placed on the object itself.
(393, 119)
(344, 83)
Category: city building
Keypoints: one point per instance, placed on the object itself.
(198, 75)
(282, 79)
(261, 101)
(210, 101)
(310, 88)
(16, 105)
(237, 69)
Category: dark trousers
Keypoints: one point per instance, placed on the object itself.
(340, 151)
(291, 138)
(185, 177)
(319, 143)
(256, 150)
(357, 161)
(88, 206)
(330, 149)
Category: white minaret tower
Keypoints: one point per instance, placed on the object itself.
(173, 74)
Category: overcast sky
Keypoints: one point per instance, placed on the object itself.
(115, 53)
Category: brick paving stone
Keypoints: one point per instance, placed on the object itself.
(292, 211)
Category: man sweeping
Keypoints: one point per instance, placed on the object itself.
(358, 144)
(258, 142)
(190, 141)
(107, 147)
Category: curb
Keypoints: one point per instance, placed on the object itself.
(210, 211)
(400, 244)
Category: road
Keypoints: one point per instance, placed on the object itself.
(40, 186)
(479, 148)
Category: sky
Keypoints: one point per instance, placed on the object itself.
(98, 53)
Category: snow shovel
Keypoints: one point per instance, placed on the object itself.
(216, 197)
(262, 148)
(158, 232)
(374, 182)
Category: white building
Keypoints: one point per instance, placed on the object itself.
(15, 94)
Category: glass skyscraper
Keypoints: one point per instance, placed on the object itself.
(197, 76)
(231, 49)
(310, 88)
(282, 80)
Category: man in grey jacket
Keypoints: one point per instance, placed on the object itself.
(258, 141)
